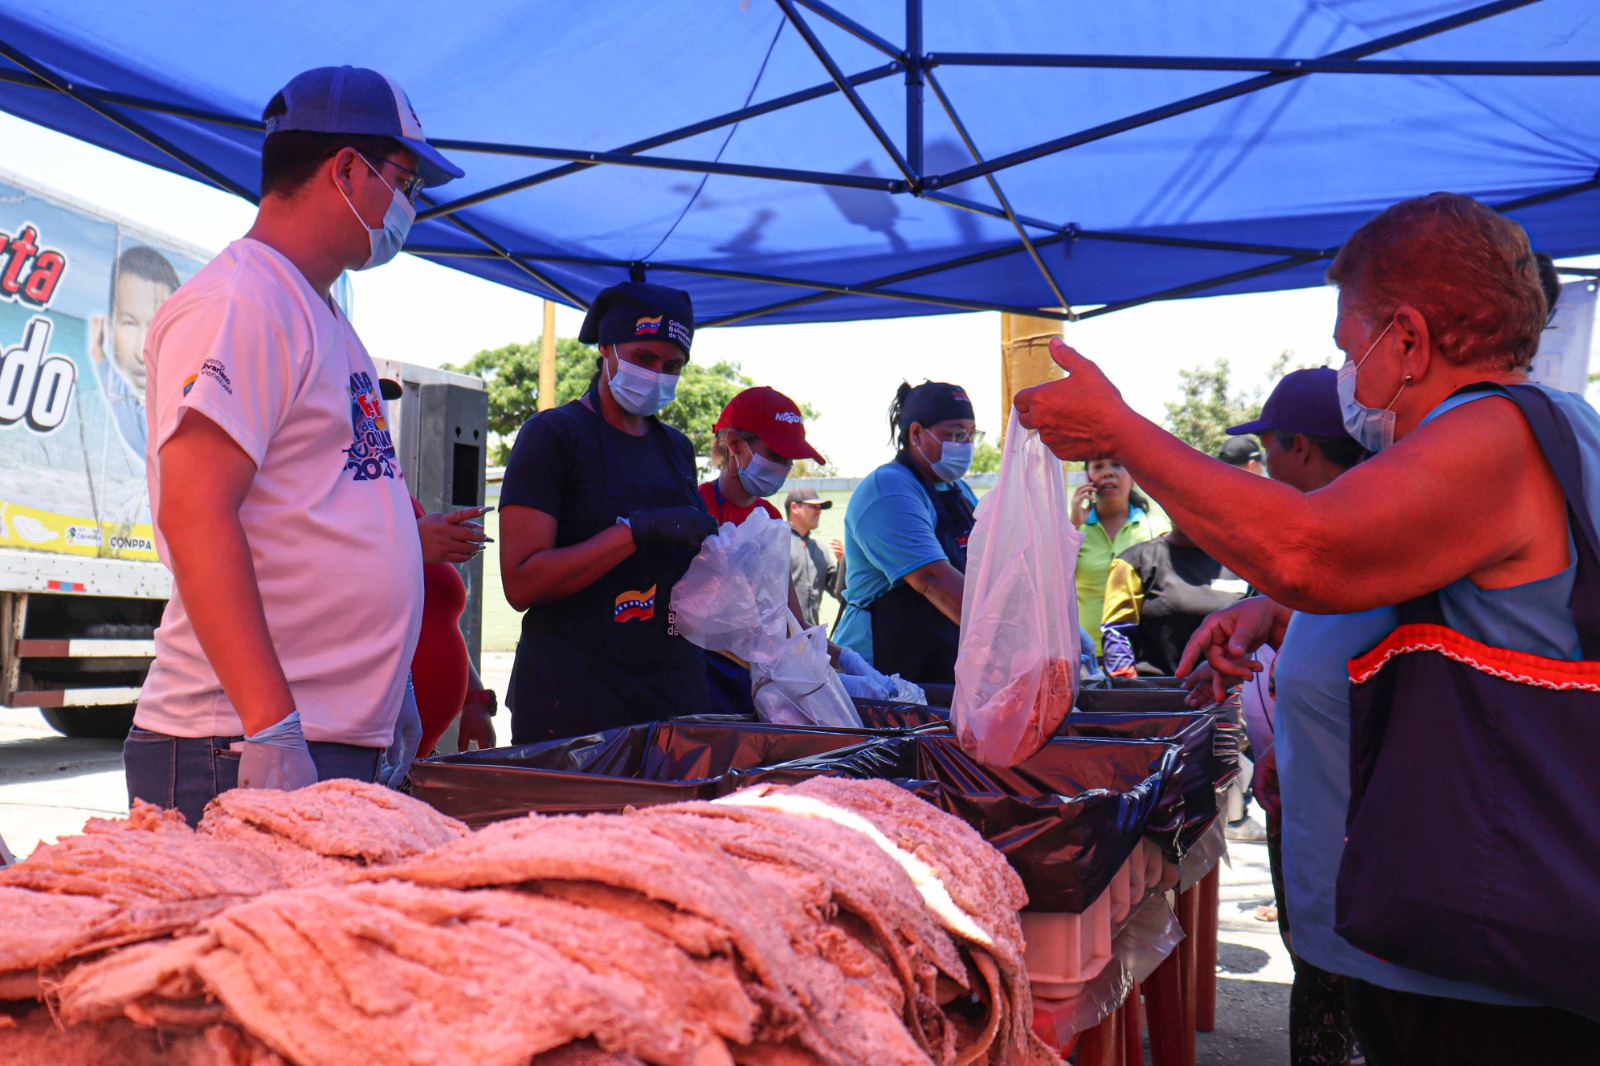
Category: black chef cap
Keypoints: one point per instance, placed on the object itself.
(933, 402)
(640, 311)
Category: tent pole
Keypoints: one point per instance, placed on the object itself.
(766, 107)
(999, 194)
(852, 27)
(1465, 68)
(914, 85)
(73, 92)
(1548, 195)
(1024, 358)
(1217, 96)
(912, 179)
(1194, 287)
(499, 250)
(873, 287)
(547, 357)
(584, 158)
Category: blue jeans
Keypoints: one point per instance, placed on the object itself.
(186, 773)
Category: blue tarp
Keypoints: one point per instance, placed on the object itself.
(927, 156)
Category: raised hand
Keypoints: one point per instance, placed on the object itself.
(1079, 417)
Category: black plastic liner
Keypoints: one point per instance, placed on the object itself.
(635, 766)
(1208, 760)
(1067, 818)
(1208, 741)
(1133, 694)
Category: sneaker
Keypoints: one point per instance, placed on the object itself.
(1246, 830)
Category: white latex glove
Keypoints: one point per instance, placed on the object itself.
(276, 757)
(874, 686)
(851, 662)
(396, 761)
(861, 687)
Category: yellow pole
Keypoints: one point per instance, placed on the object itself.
(547, 358)
(1024, 357)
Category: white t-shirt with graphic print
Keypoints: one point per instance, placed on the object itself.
(249, 344)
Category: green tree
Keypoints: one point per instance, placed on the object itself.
(986, 459)
(511, 375)
(1209, 402)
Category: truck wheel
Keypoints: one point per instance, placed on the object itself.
(99, 723)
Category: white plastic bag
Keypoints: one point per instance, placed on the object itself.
(1017, 668)
(735, 595)
(734, 598)
(797, 685)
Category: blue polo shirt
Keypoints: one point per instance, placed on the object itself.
(888, 533)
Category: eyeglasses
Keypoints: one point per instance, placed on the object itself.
(958, 436)
(411, 188)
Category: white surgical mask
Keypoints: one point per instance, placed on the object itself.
(954, 459)
(761, 477)
(1372, 427)
(639, 391)
(397, 220)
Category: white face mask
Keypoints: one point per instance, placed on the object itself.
(954, 460)
(397, 220)
(1372, 427)
(639, 391)
(761, 477)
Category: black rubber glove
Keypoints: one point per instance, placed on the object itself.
(671, 527)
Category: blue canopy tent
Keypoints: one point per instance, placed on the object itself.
(795, 160)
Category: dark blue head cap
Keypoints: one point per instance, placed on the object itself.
(640, 311)
(933, 402)
(358, 101)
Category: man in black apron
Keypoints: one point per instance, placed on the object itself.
(906, 533)
(599, 519)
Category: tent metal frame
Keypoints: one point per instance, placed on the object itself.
(917, 68)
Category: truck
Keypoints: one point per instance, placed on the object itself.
(81, 586)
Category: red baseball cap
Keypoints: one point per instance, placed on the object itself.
(773, 417)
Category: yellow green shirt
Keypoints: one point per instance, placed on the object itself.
(1095, 558)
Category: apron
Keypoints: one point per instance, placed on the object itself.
(910, 636)
(1472, 848)
(605, 657)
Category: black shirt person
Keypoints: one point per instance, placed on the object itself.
(599, 517)
(1159, 592)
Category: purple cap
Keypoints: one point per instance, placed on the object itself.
(1306, 401)
(360, 101)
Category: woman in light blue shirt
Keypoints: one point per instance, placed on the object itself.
(905, 540)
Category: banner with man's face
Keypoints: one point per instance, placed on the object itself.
(77, 293)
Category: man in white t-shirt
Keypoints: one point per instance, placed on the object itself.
(278, 501)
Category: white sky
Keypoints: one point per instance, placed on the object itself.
(426, 314)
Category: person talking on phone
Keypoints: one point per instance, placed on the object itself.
(599, 518)
(906, 531)
(1114, 516)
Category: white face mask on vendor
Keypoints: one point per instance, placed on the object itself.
(954, 460)
(761, 477)
(639, 391)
